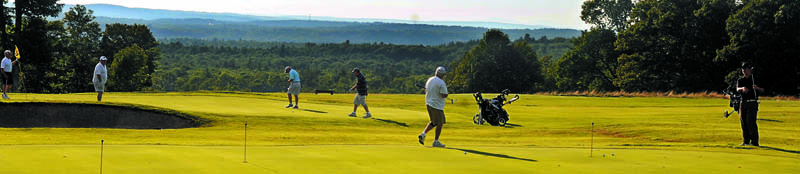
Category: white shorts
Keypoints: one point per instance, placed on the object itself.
(360, 100)
(99, 87)
(294, 88)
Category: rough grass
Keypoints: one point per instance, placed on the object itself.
(546, 134)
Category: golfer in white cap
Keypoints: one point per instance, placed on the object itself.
(7, 67)
(100, 77)
(435, 93)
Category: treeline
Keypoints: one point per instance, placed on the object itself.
(238, 65)
(682, 46)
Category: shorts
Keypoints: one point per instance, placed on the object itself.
(99, 87)
(360, 100)
(9, 80)
(294, 88)
(437, 116)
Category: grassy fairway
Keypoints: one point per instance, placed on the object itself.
(547, 134)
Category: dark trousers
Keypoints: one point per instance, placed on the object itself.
(748, 116)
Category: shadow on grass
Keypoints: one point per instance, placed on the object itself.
(770, 120)
(392, 122)
(779, 149)
(493, 154)
(511, 125)
(315, 111)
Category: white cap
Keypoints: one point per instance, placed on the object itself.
(440, 70)
(103, 58)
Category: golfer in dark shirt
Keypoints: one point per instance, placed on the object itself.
(748, 110)
(361, 93)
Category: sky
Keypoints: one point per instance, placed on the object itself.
(552, 13)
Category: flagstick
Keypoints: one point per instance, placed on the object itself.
(591, 144)
(21, 74)
(21, 78)
(101, 156)
(245, 142)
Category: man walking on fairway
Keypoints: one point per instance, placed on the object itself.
(749, 107)
(7, 67)
(361, 93)
(435, 93)
(100, 77)
(294, 87)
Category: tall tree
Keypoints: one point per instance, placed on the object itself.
(119, 36)
(495, 64)
(33, 8)
(83, 34)
(129, 70)
(36, 63)
(58, 72)
(671, 45)
(30, 35)
(4, 21)
(591, 64)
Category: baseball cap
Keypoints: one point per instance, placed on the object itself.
(747, 65)
(440, 70)
(356, 70)
(103, 58)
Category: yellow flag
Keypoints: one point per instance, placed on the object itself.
(16, 51)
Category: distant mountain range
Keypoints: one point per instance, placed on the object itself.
(230, 26)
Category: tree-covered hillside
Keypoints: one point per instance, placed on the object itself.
(240, 65)
(302, 31)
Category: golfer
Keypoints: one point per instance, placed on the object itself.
(100, 77)
(361, 93)
(749, 108)
(7, 67)
(294, 87)
(435, 93)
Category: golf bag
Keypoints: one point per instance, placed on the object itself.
(736, 100)
(491, 110)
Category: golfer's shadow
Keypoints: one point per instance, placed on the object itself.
(392, 122)
(511, 125)
(314, 111)
(493, 154)
(779, 149)
(770, 120)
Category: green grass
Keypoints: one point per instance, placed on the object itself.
(549, 134)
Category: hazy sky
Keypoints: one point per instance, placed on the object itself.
(555, 13)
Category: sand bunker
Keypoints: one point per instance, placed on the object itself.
(69, 115)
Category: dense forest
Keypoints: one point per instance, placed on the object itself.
(193, 64)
